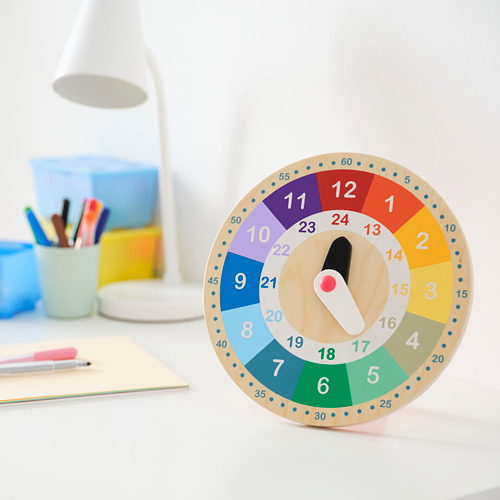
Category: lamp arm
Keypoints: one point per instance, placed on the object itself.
(172, 273)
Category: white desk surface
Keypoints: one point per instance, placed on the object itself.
(212, 442)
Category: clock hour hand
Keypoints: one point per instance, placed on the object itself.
(339, 257)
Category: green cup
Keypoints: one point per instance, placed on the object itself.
(68, 280)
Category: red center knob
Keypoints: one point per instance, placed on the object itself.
(327, 283)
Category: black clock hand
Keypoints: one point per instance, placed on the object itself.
(339, 257)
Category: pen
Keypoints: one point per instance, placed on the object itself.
(49, 355)
(89, 221)
(77, 222)
(64, 212)
(38, 232)
(101, 224)
(40, 366)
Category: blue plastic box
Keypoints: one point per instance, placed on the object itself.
(19, 288)
(127, 188)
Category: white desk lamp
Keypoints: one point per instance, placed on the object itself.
(104, 65)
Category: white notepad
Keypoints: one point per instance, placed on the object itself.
(118, 365)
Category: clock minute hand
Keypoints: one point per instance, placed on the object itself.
(339, 257)
(331, 287)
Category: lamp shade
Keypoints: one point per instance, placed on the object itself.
(104, 62)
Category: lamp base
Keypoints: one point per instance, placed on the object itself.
(150, 301)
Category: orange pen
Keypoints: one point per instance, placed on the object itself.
(91, 212)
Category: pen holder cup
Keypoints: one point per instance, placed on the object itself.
(68, 280)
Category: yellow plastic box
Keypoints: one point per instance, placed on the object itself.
(128, 254)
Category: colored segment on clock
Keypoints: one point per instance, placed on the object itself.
(374, 375)
(423, 241)
(239, 282)
(343, 189)
(294, 201)
(257, 234)
(413, 341)
(247, 331)
(323, 386)
(432, 291)
(277, 369)
(390, 203)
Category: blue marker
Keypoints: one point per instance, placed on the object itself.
(101, 224)
(38, 232)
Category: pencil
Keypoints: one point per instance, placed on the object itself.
(59, 226)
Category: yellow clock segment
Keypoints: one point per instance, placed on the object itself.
(338, 289)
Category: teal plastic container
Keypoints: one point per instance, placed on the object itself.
(19, 285)
(127, 188)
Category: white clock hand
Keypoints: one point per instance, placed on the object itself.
(333, 291)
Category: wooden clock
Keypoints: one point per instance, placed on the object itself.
(338, 289)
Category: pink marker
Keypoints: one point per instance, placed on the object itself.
(50, 355)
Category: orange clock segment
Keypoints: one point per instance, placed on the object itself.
(338, 289)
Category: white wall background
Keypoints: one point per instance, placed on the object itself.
(253, 85)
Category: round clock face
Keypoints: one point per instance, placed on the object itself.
(338, 289)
